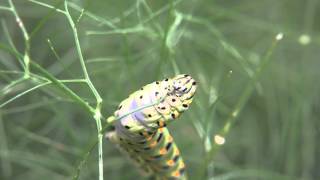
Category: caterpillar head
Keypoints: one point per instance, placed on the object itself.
(175, 97)
(184, 87)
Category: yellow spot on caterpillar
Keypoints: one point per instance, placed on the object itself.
(182, 165)
(149, 138)
(176, 152)
(161, 124)
(170, 162)
(111, 119)
(176, 174)
(170, 139)
(163, 151)
(154, 143)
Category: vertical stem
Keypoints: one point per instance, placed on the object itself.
(26, 57)
(26, 62)
(242, 100)
(5, 163)
(97, 113)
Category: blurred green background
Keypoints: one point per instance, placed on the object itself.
(261, 94)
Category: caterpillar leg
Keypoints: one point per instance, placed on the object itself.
(111, 119)
(113, 137)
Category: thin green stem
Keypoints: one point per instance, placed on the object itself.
(5, 163)
(97, 111)
(10, 72)
(63, 87)
(59, 83)
(77, 8)
(5, 8)
(242, 100)
(26, 57)
(48, 6)
(84, 160)
(160, 11)
(73, 80)
(8, 87)
(23, 93)
(78, 46)
(48, 142)
(135, 29)
(9, 39)
(28, 107)
(44, 19)
(80, 16)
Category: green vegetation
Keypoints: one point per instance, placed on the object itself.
(65, 66)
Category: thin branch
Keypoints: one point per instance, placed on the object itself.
(242, 100)
(48, 6)
(26, 57)
(136, 29)
(5, 8)
(9, 39)
(8, 87)
(6, 164)
(23, 93)
(63, 87)
(78, 46)
(97, 112)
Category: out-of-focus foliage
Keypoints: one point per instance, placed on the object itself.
(270, 119)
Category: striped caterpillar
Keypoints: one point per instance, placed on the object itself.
(140, 126)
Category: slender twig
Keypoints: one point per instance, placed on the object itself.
(31, 89)
(94, 17)
(97, 112)
(53, 50)
(28, 107)
(9, 39)
(242, 100)
(23, 93)
(48, 6)
(8, 87)
(63, 87)
(49, 78)
(136, 29)
(5, 8)
(83, 65)
(26, 57)
(10, 72)
(6, 164)
(77, 8)
(84, 160)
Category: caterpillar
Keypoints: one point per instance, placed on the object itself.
(140, 126)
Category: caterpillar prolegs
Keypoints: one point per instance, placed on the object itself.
(140, 125)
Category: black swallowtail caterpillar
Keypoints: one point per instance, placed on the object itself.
(140, 125)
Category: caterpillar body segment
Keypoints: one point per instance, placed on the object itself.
(140, 126)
